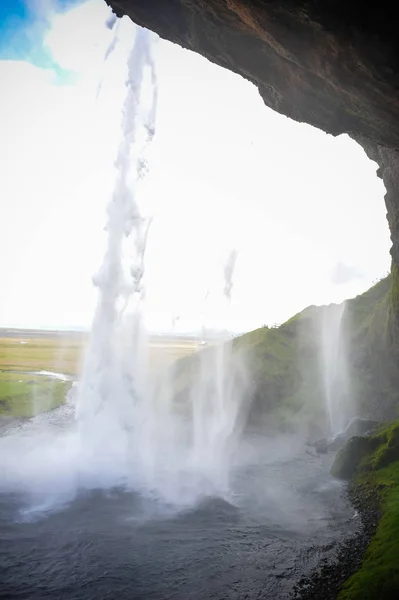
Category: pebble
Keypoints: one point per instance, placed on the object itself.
(325, 582)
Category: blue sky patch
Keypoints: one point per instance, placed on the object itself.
(23, 27)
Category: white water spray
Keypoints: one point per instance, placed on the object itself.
(129, 427)
(129, 430)
(334, 366)
(112, 23)
(114, 376)
(216, 399)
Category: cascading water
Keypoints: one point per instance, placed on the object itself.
(113, 383)
(128, 427)
(334, 366)
(216, 399)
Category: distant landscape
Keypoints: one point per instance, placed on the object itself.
(24, 353)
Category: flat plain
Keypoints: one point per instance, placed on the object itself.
(24, 354)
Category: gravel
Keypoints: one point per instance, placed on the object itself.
(325, 582)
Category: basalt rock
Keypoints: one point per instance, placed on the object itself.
(333, 64)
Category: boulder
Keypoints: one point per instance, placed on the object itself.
(357, 427)
(350, 456)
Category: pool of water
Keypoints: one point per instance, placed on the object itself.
(282, 514)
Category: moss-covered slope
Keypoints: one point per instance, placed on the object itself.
(283, 365)
(375, 462)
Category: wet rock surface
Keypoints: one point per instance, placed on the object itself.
(356, 428)
(349, 457)
(326, 581)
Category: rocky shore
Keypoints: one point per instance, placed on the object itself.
(365, 566)
(326, 581)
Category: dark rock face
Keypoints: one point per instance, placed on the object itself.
(388, 160)
(357, 426)
(331, 63)
(348, 458)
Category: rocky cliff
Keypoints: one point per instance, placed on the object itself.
(330, 63)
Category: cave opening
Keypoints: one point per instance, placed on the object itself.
(185, 444)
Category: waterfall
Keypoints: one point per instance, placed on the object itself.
(216, 398)
(132, 432)
(334, 366)
(114, 375)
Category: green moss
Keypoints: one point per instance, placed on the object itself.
(386, 447)
(284, 371)
(24, 395)
(394, 289)
(284, 361)
(378, 471)
(374, 350)
(392, 322)
(363, 308)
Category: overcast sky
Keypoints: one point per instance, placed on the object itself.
(304, 210)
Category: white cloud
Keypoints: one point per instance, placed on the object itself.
(78, 39)
(343, 273)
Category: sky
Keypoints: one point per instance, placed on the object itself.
(303, 210)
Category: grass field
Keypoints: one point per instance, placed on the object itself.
(24, 393)
(58, 353)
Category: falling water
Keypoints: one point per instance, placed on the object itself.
(171, 444)
(334, 366)
(216, 399)
(112, 23)
(114, 377)
(132, 431)
(184, 449)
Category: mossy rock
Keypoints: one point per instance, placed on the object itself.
(387, 443)
(367, 453)
(280, 368)
(350, 456)
(377, 476)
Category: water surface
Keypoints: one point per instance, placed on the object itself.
(281, 515)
